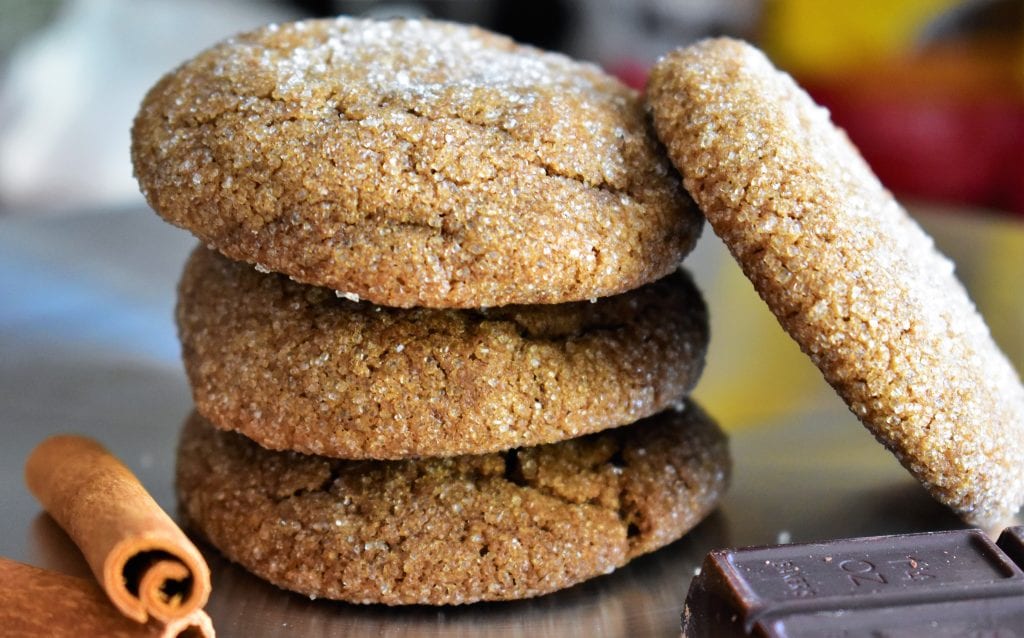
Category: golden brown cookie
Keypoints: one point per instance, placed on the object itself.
(296, 367)
(452, 530)
(849, 275)
(414, 163)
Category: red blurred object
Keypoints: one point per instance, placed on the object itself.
(944, 124)
(632, 73)
(950, 148)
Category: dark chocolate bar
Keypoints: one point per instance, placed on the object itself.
(956, 583)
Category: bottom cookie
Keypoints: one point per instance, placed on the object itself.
(456, 530)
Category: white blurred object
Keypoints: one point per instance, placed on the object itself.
(69, 95)
(610, 31)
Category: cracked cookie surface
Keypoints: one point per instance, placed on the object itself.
(847, 272)
(452, 530)
(296, 367)
(413, 163)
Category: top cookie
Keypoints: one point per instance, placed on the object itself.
(413, 163)
(848, 274)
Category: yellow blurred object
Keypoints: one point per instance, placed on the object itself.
(989, 255)
(815, 37)
(757, 374)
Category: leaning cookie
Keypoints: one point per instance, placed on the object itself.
(848, 274)
(414, 163)
(295, 367)
(452, 530)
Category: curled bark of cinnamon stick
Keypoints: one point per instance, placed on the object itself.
(146, 564)
(38, 602)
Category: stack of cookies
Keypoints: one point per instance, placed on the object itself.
(437, 338)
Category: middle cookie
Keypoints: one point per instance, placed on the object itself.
(295, 367)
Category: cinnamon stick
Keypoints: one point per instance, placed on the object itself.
(38, 602)
(146, 564)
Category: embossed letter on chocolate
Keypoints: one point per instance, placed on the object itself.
(935, 584)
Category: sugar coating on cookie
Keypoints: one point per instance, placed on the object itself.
(414, 163)
(449, 531)
(847, 272)
(296, 367)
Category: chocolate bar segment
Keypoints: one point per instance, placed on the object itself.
(1011, 541)
(995, 617)
(878, 586)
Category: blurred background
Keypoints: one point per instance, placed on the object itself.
(932, 92)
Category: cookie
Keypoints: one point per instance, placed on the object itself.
(414, 163)
(296, 367)
(452, 530)
(847, 272)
